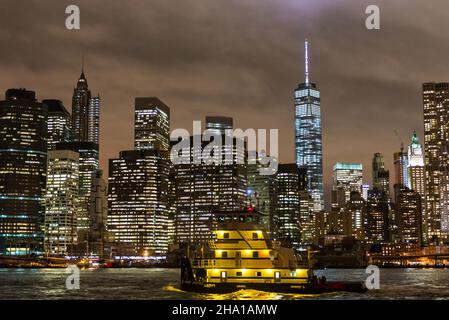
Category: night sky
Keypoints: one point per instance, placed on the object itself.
(239, 58)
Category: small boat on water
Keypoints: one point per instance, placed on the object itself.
(243, 257)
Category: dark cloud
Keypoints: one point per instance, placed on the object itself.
(241, 58)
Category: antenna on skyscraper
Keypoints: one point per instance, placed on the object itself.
(306, 60)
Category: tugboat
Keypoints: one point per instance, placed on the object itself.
(241, 256)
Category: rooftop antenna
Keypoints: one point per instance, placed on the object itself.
(82, 64)
(306, 60)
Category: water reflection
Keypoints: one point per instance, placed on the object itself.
(163, 284)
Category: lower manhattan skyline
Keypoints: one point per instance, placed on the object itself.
(222, 158)
(370, 82)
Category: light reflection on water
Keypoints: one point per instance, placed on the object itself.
(164, 284)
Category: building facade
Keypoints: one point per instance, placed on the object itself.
(262, 195)
(381, 176)
(151, 124)
(401, 168)
(23, 169)
(138, 200)
(355, 208)
(98, 206)
(377, 228)
(59, 123)
(88, 167)
(349, 177)
(85, 113)
(417, 178)
(409, 215)
(61, 203)
(202, 189)
(291, 183)
(436, 139)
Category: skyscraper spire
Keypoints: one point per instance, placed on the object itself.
(82, 68)
(306, 60)
(308, 134)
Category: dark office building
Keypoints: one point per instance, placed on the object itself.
(409, 216)
(23, 167)
(377, 227)
(85, 113)
(291, 181)
(59, 123)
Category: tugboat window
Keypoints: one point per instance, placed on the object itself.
(255, 254)
(224, 254)
(239, 273)
(258, 274)
(226, 235)
(255, 235)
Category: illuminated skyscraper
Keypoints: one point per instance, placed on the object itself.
(88, 166)
(401, 168)
(409, 216)
(61, 201)
(349, 177)
(85, 140)
(93, 128)
(151, 124)
(436, 139)
(138, 200)
(23, 167)
(288, 215)
(417, 177)
(59, 123)
(376, 219)
(85, 113)
(308, 136)
(138, 197)
(203, 189)
(381, 177)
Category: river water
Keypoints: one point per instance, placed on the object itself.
(163, 284)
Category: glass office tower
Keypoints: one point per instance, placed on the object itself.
(23, 167)
(308, 136)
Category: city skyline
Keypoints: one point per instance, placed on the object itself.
(395, 70)
(224, 150)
